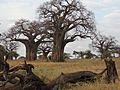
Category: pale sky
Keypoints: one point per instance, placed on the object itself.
(107, 16)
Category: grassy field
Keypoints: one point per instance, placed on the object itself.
(51, 70)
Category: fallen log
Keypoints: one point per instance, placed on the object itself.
(81, 76)
(12, 88)
(25, 66)
(33, 82)
(26, 82)
(4, 75)
(17, 85)
(30, 81)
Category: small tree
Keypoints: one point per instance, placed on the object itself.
(14, 54)
(88, 54)
(103, 45)
(45, 49)
(79, 54)
(11, 47)
(76, 54)
(66, 55)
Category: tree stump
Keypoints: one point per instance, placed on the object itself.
(111, 74)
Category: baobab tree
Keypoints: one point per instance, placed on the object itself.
(76, 53)
(45, 49)
(88, 54)
(79, 54)
(103, 45)
(9, 46)
(31, 34)
(66, 20)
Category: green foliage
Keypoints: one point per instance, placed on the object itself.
(14, 54)
(66, 56)
(2, 49)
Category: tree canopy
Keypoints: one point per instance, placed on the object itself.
(66, 20)
(31, 34)
(104, 45)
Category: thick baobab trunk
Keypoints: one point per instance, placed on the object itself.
(57, 54)
(31, 52)
(34, 52)
(58, 48)
(28, 52)
(31, 48)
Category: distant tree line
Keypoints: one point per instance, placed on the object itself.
(84, 54)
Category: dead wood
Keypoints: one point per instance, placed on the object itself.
(81, 76)
(30, 81)
(111, 74)
(27, 82)
(12, 88)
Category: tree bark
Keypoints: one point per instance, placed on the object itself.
(31, 48)
(112, 74)
(58, 48)
(80, 76)
(57, 54)
(28, 52)
(34, 52)
(31, 52)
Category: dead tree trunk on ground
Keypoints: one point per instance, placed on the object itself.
(81, 76)
(32, 82)
(24, 82)
(112, 74)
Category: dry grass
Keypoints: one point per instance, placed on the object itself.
(51, 70)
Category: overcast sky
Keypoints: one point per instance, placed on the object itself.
(107, 15)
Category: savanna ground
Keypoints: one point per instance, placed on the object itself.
(50, 70)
